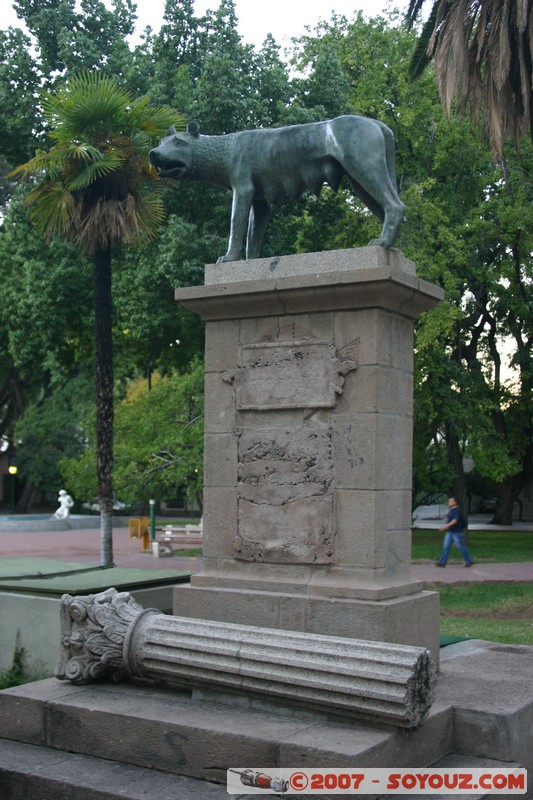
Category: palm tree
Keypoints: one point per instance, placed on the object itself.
(483, 56)
(97, 188)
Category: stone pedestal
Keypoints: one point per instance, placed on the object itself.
(307, 498)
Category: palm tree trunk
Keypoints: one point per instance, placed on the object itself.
(104, 399)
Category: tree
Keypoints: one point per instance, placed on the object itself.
(45, 341)
(96, 188)
(70, 38)
(158, 440)
(467, 231)
(483, 52)
(50, 431)
(19, 86)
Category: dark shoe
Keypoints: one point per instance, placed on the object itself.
(438, 564)
(469, 565)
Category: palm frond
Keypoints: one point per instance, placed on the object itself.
(483, 55)
(87, 100)
(52, 209)
(134, 218)
(156, 120)
(447, 54)
(91, 171)
(413, 10)
(421, 57)
(151, 211)
(35, 166)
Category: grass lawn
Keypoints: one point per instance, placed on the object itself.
(497, 612)
(486, 546)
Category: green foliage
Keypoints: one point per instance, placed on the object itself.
(43, 291)
(72, 39)
(19, 86)
(16, 675)
(158, 441)
(150, 329)
(50, 430)
(159, 438)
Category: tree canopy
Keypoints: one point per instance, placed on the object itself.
(467, 225)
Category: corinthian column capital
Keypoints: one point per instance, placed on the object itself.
(94, 629)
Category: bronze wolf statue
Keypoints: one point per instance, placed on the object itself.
(262, 167)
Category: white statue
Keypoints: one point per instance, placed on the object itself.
(65, 504)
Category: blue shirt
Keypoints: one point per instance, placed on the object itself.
(454, 514)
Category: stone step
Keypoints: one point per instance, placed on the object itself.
(165, 729)
(27, 771)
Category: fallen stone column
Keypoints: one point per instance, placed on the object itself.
(110, 634)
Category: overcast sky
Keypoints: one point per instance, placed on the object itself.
(282, 18)
(285, 19)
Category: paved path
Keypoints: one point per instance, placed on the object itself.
(83, 546)
(431, 575)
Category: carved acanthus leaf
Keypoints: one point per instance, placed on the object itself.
(93, 631)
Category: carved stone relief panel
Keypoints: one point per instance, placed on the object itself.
(285, 492)
(286, 375)
(285, 495)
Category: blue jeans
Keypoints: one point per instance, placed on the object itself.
(456, 538)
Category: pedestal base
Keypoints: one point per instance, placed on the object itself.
(412, 619)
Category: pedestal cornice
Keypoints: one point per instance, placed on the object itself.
(386, 288)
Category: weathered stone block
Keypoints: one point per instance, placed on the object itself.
(394, 445)
(221, 345)
(220, 413)
(297, 532)
(220, 521)
(373, 529)
(381, 337)
(285, 496)
(354, 447)
(221, 467)
(377, 390)
(311, 327)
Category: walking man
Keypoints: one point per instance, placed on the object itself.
(454, 534)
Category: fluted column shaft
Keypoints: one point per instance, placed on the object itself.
(379, 681)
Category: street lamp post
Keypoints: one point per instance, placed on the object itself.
(12, 469)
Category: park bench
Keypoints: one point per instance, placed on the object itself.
(177, 537)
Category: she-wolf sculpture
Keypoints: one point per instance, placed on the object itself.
(264, 166)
